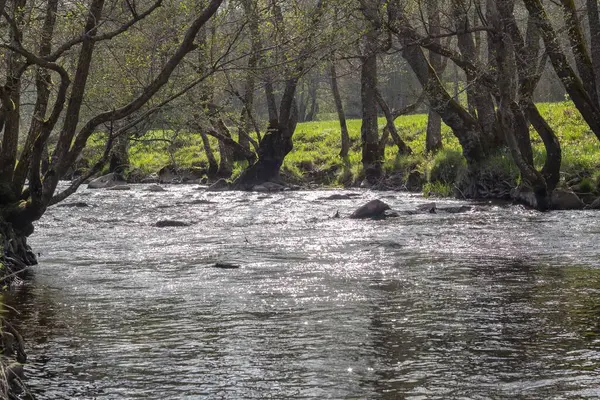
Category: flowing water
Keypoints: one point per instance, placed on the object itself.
(499, 302)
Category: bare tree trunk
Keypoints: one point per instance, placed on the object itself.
(583, 60)
(213, 167)
(511, 117)
(119, 156)
(390, 128)
(479, 98)
(339, 107)
(369, 131)
(594, 23)
(433, 136)
(573, 84)
(313, 87)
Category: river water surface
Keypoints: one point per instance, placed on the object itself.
(500, 302)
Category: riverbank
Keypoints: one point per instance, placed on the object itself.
(166, 156)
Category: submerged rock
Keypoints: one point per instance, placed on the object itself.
(455, 210)
(78, 204)
(223, 265)
(200, 201)
(106, 181)
(120, 187)
(171, 223)
(219, 186)
(340, 196)
(155, 188)
(563, 199)
(595, 204)
(268, 187)
(427, 207)
(373, 209)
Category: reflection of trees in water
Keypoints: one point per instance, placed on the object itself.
(479, 329)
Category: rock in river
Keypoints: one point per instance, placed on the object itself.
(77, 204)
(120, 187)
(155, 188)
(106, 181)
(563, 199)
(224, 265)
(170, 223)
(373, 209)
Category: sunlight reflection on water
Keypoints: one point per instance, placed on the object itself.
(497, 302)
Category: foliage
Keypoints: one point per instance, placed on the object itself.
(446, 167)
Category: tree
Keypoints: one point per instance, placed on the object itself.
(21, 202)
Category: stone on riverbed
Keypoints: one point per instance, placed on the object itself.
(219, 186)
(106, 181)
(155, 188)
(119, 187)
(268, 187)
(563, 199)
(373, 209)
(224, 265)
(77, 204)
(170, 223)
(340, 196)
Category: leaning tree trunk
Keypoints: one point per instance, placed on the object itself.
(213, 167)
(119, 155)
(339, 107)
(594, 24)
(369, 132)
(512, 120)
(433, 136)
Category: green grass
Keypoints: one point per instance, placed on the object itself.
(317, 146)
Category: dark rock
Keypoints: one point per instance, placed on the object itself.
(222, 265)
(455, 210)
(77, 204)
(524, 195)
(171, 174)
(563, 199)
(170, 223)
(396, 180)
(595, 204)
(337, 214)
(415, 182)
(201, 201)
(267, 187)
(150, 179)
(390, 214)
(136, 176)
(373, 209)
(155, 188)
(219, 186)
(338, 196)
(106, 181)
(119, 187)
(427, 207)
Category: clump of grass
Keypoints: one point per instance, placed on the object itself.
(438, 189)
(447, 166)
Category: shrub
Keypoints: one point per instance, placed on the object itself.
(447, 166)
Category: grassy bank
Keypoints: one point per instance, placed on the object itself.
(316, 148)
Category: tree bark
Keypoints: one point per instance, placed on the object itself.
(433, 136)
(594, 24)
(369, 132)
(572, 83)
(213, 166)
(339, 108)
(511, 117)
(583, 60)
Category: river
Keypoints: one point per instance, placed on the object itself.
(499, 302)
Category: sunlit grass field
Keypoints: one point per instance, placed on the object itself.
(317, 147)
